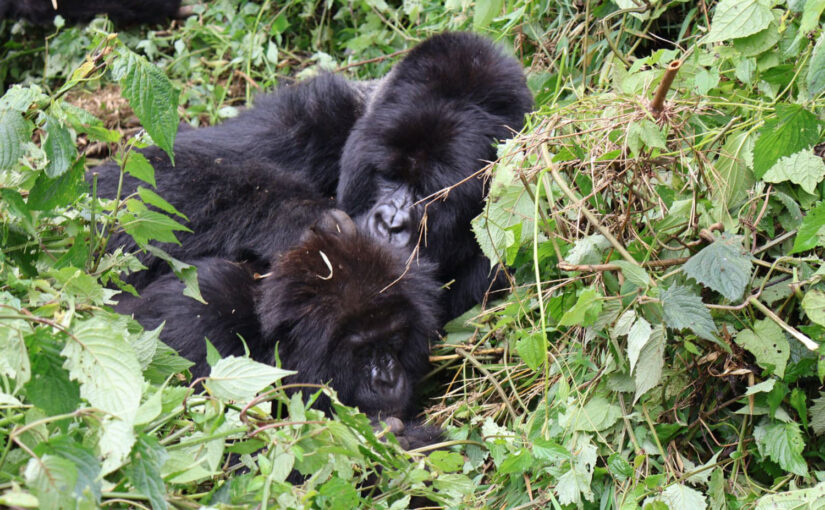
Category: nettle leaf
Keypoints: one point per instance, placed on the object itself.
(817, 411)
(792, 130)
(588, 250)
(234, 378)
(768, 344)
(811, 232)
(145, 225)
(532, 348)
(815, 80)
(738, 18)
(152, 97)
(679, 497)
(637, 338)
(650, 364)
(634, 273)
(684, 309)
(52, 479)
(814, 305)
(574, 485)
(150, 197)
(493, 228)
(186, 273)
(799, 499)
(724, 266)
(148, 457)
(585, 311)
(645, 133)
(59, 148)
(803, 168)
(49, 193)
(733, 176)
(139, 167)
(15, 132)
(783, 443)
(597, 415)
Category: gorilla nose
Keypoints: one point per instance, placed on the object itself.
(388, 382)
(390, 223)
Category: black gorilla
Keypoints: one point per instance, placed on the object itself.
(430, 126)
(341, 307)
(230, 204)
(120, 11)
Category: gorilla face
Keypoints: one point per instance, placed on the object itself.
(346, 310)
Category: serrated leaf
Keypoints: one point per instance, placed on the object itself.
(783, 443)
(597, 414)
(493, 228)
(234, 378)
(187, 273)
(817, 411)
(684, 309)
(145, 225)
(768, 344)
(574, 485)
(812, 498)
(814, 305)
(815, 78)
(792, 130)
(588, 250)
(148, 457)
(139, 167)
(724, 266)
(738, 18)
(59, 148)
(680, 497)
(651, 361)
(645, 133)
(637, 338)
(51, 478)
(152, 97)
(15, 131)
(49, 193)
(634, 273)
(803, 168)
(150, 197)
(811, 232)
(20, 97)
(624, 323)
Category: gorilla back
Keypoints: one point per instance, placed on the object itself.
(340, 307)
(431, 125)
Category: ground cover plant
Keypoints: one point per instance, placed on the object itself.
(661, 346)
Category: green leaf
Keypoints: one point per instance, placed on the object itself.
(810, 16)
(585, 311)
(768, 344)
(783, 443)
(651, 362)
(811, 233)
(738, 18)
(150, 197)
(759, 42)
(817, 411)
(234, 378)
(48, 194)
(446, 462)
(187, 273)
(796, 499)
(139, 167)
(815, 79)
(597, 415)
(792, 130)
(724, 266)
(508, 205)
(145, 225)
(733, 176)
(19, 208)
(15, 132)
(814, 305)
(152, 97)
(706, 80)
(679, 497)
(59, 148)
(684, 309)
(619, 466)
(634, 273)
(645, 133)
(574, 485)
(533, 349)
(803, 168)
(52, 479)
(485, 11)
(143, 471)
(637, 337)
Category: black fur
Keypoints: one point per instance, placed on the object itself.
(431, 125)
(120, 11)
(363, 323)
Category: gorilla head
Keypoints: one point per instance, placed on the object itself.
(347, 310)
(430, 126)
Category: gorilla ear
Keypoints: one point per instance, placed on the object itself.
(335, 221)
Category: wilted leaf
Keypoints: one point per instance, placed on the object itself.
(724, 266)
(637, 338)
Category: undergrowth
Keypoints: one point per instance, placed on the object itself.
(661, 343)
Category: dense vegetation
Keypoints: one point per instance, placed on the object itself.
(660, 348)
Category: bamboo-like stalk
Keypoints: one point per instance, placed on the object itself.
(658, 103)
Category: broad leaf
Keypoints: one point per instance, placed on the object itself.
(637, 338)
(792, 130)
(634, 273)
(680, 497)
(724, 266)
(148, 457)
(738, 18)
(585, 311)
(803, 168)
(814, 305)
(817, 411)
(684, 309)
(811, 233)
(651, 362)
(234, 378)
(816, 68)
(485, 11)
(15, 132)
(783, 443)
(139, 167)
(799, 499)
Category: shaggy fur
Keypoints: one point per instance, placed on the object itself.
(432, 124)
(363, 323)
(120, 11)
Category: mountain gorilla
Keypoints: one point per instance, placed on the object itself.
(430, 126)
(341, 308)
(120, 11)
(382, 146)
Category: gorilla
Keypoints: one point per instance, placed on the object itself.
(430, 126)
(121, 11)
(380, 146)
(341, 308)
